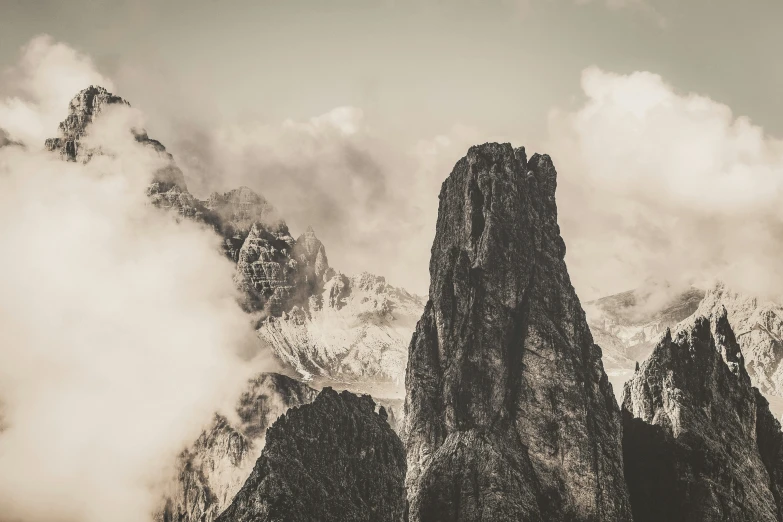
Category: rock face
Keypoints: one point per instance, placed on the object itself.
(699, 441)
(334, 460)
(759, 328)
(509, 414)
(82, 110)
(265, 269)
(214, 468)
(627, 325)
(357, 329)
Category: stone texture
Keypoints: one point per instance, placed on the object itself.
(335, 460)
(627, 325)
(265, 269)
(237, 211)
(82, 111)
(509, 414)
(759, 328)
(213, 469)
(699, 441)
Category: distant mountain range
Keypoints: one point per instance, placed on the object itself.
(509, 412)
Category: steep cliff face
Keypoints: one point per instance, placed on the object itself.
(509, 414)
(699, 441)
(759, 328)
(265, 269)
(335, 460)
(214, 468)
(357, 329)
(237, 211)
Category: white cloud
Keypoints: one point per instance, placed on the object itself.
(119, 330)
(374, 206)
(658, 183)
(47, 76)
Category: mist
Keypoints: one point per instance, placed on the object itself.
(120, 333)
(671, 186)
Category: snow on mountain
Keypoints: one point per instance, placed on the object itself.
(357, 329)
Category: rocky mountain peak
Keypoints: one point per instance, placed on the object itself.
(83, 108)
(502, 356)
(334, 460)
(697, 434)
(758, 325)
(82, 111)
(239, 209)
(312, 253)
(212, 470)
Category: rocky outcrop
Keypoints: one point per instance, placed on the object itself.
(759, 328)
(509, 414)
(357, 329)
(310, 253)
(265, 269)
(213, 469)
(699, 442)
(627, 325)
(335, 460)
(82, 111)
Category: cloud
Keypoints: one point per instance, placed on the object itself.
(658, 183)
(44, 80)
(373, 205)
(119, 329)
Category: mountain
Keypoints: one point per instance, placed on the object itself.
(343, 329)
(700, 443)
(82, 111)
(628, 325)
(213, 469)
(335, 460)
(636, 319)
(759, 327)
(509, 414)
(329, 327)
(356, 330)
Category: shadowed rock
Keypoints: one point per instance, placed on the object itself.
(509, 414)
(212, 470)
(335, 460)
(699, 441)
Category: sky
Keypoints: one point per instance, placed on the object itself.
(347, 115)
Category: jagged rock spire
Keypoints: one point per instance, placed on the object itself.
(509, 414)
(82, 111)
(699, 441)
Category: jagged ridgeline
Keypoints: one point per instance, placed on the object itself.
(509, 414)
(274, 271)
(697, 434)
(300, 297)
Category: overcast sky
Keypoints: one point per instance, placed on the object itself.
(349, 114)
